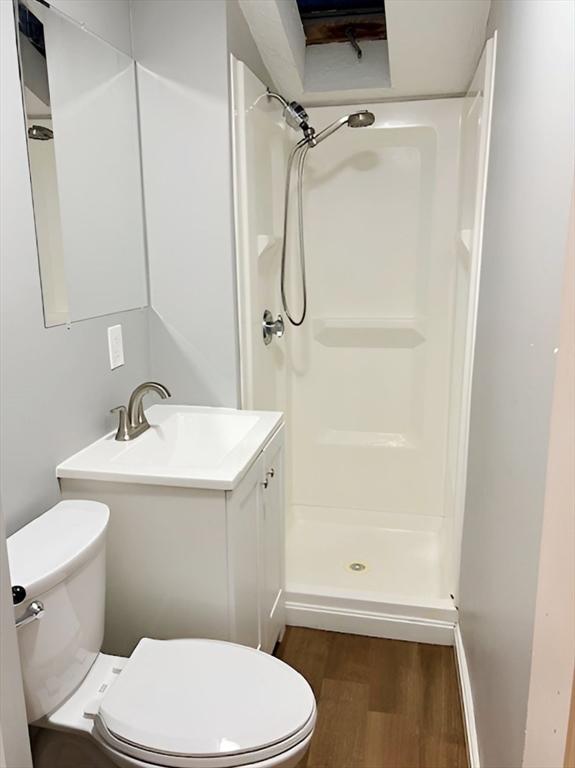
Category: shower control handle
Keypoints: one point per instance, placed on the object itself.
(271, 327)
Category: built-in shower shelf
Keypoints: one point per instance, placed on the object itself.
(394, 332)
(267, 245)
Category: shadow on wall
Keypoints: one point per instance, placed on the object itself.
(422, 138)
(361, 161)
(192, 378)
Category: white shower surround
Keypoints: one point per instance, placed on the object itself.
(365, 382)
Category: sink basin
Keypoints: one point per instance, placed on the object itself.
(186, 446)
(184, 440)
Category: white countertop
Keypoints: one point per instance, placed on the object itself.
(187, 446)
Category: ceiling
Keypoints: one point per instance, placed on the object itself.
(432, 49)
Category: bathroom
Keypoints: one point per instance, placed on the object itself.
(378, 493)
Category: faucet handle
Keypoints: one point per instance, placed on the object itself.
(123, 431)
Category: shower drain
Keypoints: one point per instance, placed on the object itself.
(357, 567)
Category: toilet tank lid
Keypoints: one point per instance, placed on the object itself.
(54, 545)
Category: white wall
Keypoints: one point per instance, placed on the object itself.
(528, 196)
(56, 386)
(109, 19)
(262, 144)
(475, 131)
(554, 636)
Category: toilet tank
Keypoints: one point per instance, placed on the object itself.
(59, 560)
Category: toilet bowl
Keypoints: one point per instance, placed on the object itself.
(186, 703)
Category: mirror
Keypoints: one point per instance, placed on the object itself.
(83, 148)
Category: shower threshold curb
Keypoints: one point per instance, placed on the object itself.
(393, 622)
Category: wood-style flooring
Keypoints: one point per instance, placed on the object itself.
(381, 703)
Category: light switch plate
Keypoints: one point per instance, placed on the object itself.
(115, 346)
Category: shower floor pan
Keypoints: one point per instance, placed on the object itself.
(361, 572)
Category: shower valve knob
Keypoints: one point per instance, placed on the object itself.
(271, 327)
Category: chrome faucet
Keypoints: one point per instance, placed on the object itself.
(132, 420)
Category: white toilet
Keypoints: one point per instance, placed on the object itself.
(182, 703)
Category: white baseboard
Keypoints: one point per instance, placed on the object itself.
(467, 700)
(369, 622)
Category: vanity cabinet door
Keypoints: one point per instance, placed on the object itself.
(272, 544)
(242, 512)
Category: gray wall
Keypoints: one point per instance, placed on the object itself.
(109, 19)
(56, 386)
(183, 88)
(186, 145)
(528, 196)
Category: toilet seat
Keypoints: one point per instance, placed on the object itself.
(131, 755)
(199, 703)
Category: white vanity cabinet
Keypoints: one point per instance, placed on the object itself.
(272, 549)
(194, 562)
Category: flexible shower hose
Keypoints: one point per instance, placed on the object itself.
(299, 151)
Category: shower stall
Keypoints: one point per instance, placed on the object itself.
(375, 381)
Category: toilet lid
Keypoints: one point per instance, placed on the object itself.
(205, 698)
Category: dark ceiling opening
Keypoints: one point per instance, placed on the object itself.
(340, 21)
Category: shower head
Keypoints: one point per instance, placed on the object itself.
(361, 119)
(40, 133)
(297, 118)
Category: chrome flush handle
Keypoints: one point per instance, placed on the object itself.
(34, 612)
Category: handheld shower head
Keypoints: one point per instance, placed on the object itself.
(361, 119)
